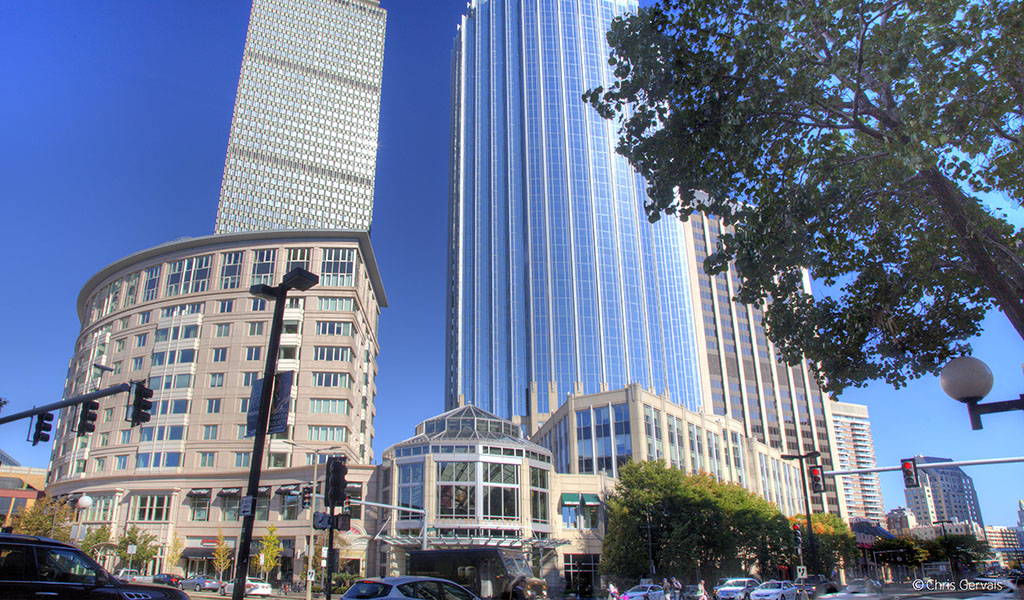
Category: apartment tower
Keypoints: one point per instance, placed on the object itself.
(302, 151)
(558, 284)
(855, 449)
(946, 495)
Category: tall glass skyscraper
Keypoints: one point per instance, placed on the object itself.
(303, 147)
(557, 282)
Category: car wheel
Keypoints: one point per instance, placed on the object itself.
(223, 591)
(199, 588)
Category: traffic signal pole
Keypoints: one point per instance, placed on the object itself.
(932, 465)
(110, 391)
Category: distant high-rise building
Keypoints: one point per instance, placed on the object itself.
(855, 449)
(558, 284)
(946, 495)
(303, 147)
(900, 521)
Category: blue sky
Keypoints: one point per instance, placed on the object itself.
(114, 119)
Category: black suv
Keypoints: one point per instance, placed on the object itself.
(36, 567)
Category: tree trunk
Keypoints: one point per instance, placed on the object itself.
(990, 267)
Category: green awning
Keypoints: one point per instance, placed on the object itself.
(591, 500)
(569, 499)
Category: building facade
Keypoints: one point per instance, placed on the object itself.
(855, 449)
(900, 521)
(20, 487)
(302, 151)
(945, 494)
(180, 317)
(558, 284)
(1006, 544)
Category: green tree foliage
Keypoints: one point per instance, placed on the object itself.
(46, 517)
(852, 139)
(835, 542)
(688, 525)
(94, 541)
(145, 548)
(963, 551)
(270, 548)
(900, 551)
(173, 555)
(223, 555)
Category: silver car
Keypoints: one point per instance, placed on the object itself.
(644, 591)
(738, 588)
(400, 588)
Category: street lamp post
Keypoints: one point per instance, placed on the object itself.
(312, 509)
(296, 279)
(968, 380)
(811, 544)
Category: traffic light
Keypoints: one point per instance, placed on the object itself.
(798, 536)
(141, 405)
(307, 496)
(87, 417)
(343, 522)
(347, 505)
(817, 479)
(43, 427)
(909, 468)
(335, 482)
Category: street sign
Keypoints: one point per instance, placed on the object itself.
(323, 552)
(310, 575)
(245, 507)
(132, 548)
(323, 562)
(801, 571)
(281, 402)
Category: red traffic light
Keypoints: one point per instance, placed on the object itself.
(796, 527)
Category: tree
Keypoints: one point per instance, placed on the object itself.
(270, 549)
(851, 139)
(145, 548)
(900, 551)
(94, 541)
(687, 525)
(223, 555)
(46, 517)
(173, 554)
(962, 551)
(835, 542)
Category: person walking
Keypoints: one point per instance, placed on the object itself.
(677, 589)
(613, 592)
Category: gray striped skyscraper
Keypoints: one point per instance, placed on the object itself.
(303, 147)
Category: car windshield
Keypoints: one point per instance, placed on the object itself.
(517, 566)
(368, 589)
(771, 585)
(638, 589)
(736, 583)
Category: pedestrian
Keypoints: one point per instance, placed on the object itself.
(677, 589)
(613, 592)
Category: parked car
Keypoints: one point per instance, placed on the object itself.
(816, 584)
(693, 592)
(775, 590)
(863, 586)
(33, 567)
(166, 579)
(200, 583)
(737, 588)
(253, 587)
(399, 588)
(644, 591)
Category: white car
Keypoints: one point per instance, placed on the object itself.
(644, 591)
(775, 590)
(253, 587)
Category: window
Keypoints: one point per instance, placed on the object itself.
(220, 354)
(289, 507)
(263, 266)
(121, 462)
(329, 406)
(213, 405)
(151, 284)
(117, 367)
(229, 508)
(242, 459)
(201, 509)
(150, 507)
(341, 304)
(337, 269)
(262, 508)
(144, 318)
(226, 306)
(126, 436)
(183, 381)
(230, 270)
(101, 465)
(103, 439)
(252, 352)
(456, 490)
(140, 340)
(332, 380)
(65, 567)
(256, 327)
(223, 329)
(108, 415)
(243, 405)
(206, 459)
(298, 258)
(290, 326)
(241, 431)
(119, 345)
(258, 304)
(332, 353)
(333, 328)
(326, 433)
(209, 432)
(410, 488)
(216, 380)
(538, 495)
(249, 378)
(188, 275)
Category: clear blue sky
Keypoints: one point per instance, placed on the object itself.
(114, 119)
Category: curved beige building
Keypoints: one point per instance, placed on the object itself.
(180, 316)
